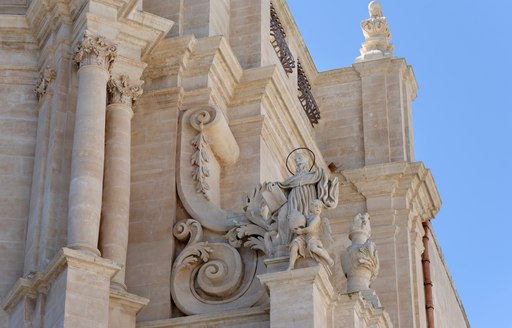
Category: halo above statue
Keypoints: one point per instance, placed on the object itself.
(298, 149)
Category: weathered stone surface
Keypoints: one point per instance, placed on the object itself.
(181, 196)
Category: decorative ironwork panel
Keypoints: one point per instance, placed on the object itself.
(279, 42)
(306, 96)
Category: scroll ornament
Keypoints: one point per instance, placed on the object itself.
(210, 277)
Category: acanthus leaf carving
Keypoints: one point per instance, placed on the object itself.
(95, 50)
(211, 277)
(200, 159)
(46, 78)
(361, 262)
(122, 91)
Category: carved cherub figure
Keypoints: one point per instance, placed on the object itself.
(307, 241)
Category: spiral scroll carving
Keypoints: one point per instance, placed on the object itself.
(210, 277)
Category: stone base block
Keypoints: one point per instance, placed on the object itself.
(72, 292)
(351, 310)
(299, 298)
(123, 308)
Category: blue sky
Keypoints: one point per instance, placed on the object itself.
(461, 54)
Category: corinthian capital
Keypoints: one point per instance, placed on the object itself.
(122, 91)
(47, 76)
(95, 50)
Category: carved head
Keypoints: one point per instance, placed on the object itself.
(316, 206)
(301, 162)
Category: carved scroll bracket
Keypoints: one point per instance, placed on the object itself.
(211, 277)
(204, 132)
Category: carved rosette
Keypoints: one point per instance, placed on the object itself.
(46, 78)
(122, 91)
(95, 50)
(210, 277)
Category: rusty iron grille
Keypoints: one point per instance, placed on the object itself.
(306, 96)
(279, 42)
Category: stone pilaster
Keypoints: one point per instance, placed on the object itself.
(94, 56)
(116, 189)
(300, 297)
(72, 292)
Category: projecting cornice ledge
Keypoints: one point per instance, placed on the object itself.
(401, 185)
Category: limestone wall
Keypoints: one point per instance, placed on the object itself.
(448, 309)
(18, 126)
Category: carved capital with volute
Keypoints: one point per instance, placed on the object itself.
(122, 91)
(95, 50)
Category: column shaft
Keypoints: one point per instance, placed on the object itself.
(87, 159)
(116, 190)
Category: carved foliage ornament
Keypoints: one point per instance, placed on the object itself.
(360, 262)
(210, 277)
(95, 50)
(44, 81)
(201, 157)
(122, 91)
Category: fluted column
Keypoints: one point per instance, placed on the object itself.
(94, 55)
(116, 188)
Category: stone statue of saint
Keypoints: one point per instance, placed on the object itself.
(301, 190)
(307, 242)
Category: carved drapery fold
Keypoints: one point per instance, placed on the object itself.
(95, 50)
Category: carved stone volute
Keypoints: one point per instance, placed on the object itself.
(122, 91)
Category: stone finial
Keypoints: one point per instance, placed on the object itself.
(122, 91)
(360, 262)
(46, 77)
(377, 35)
(95, 50)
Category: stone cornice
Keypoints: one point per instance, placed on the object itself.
(265, 86)
(130, 302)
(375, 317)
(224, 318)
(39, 282)
(411, 182)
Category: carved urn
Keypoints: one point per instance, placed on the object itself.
(360, 262)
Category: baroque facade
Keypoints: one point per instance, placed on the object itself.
(182, 163)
